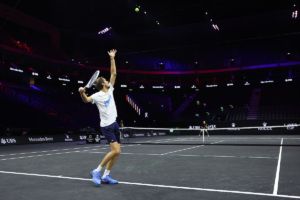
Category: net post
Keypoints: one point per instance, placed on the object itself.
(202, 130)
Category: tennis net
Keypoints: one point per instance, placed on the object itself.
(256, 136)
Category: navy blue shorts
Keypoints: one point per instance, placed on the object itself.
(111, 132)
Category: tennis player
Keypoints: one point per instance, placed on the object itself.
(204, 128)
(104, 100)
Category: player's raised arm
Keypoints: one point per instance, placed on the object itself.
(85, 98)
(113, 70)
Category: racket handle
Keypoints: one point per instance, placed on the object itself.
(81, 89)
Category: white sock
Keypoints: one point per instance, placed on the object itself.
(98, 169)
(106, 173)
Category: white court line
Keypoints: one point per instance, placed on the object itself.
(191, 155)
(59, 153)
(226, 156)
(172, 139)
(40, 155)
(142, 154)
(223, 138)
(159, 186)
(145, 154)
(275, 190)
(189, 148)
(255, 138)
(139, 154)
(54, 150)
(161, 140)
(163, 154)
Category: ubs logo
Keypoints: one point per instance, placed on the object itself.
(8, 141)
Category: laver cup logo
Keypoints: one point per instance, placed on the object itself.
(97, 138)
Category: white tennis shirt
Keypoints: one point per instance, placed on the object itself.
(105, 103)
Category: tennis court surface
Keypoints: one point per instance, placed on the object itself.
(156, 170)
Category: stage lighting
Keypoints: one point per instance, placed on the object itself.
(64, 79)
(16, 69)
(104, 31)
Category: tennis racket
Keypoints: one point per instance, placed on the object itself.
(92, 79)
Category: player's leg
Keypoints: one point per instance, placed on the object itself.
(111, 163)
(116, 148)
(106, 178)
(108, 133)
(207, 132)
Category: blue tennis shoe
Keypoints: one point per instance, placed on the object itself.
(108, 180)
(96, 177)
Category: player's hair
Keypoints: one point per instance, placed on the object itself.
(99, 83)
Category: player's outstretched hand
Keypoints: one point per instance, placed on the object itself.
(112, 53)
